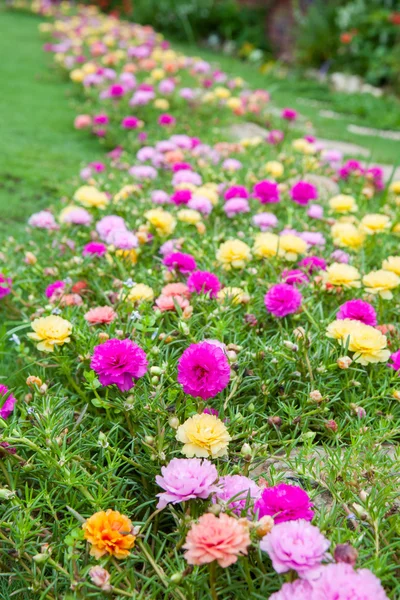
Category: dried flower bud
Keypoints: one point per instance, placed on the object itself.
(30, 258)
(100, 577)
(345, 553)
(344, 362)
(332, 425)
(275, 421)
(250, 319)
(316, 396)
(103, 336)
(33, 380)
(215, 509)
(264, 526)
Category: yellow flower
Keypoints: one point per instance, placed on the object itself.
(375, 223)
(234, 103)
(381, 282)
(222, 93)
(125, 192)
(274, 168)
(203, 435)
(140, 292)
(161, 104)
(162, 221)
(77, 75)
(343, 203)
(347, 235)
(208, 191)
(233, 254)
(395, 187)
(235, 295)
(266, 245)
(392, 263)
(188, 215)
(208, 97)
(367, 343)
(129, 255)
(157, 74)
(292, 245)
(50, 332)
(252, 141)
(303, 146)
(90, 196)
(338, 274)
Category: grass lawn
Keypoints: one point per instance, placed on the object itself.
(39, 148)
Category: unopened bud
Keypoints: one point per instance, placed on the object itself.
(174, 422)
(6, 494)
(316, 396)
(245, 450)
(155, 370)
(43, 389)
(103, 336)
(290, 345)
(40, 558)
(345, 553)
(215, 509)
(100, 577)
(344, 362)
(102, 441)
(264, 526)
(332, 425)
(149, 440)
(396, 394)
(155, 380)
(176, 577)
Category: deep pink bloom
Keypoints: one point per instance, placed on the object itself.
(5, 285)
(395, 357)
(241, 490)
(101, 119)
(289, 114)
(119, 362)
(116, 90)
(204, 282)
(275, 136)
(203, 370)
(267, 192)
(294, 277)
(298, 590)
(302, 192)
(341, 582)
(54, 287)
(282, 299)
(181, 197)
(184, 263)
(285, 502)
(181, 166)
(236, 206)
(236, 191)
(358, 310)
(312, 264)
(166, 120)
(94, 249)
(211, 411)
(184, 479)
(130, 122)
(296, 545)
(351, 167)
(8, 404)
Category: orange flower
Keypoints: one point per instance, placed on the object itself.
(109, 532)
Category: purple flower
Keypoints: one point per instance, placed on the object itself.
(289, 114)
(5, 285)
(296, 545)
(341, 582)
(143, 172)
(186, 176)
(313, 263)
(122, 239)
(267, 192)
(313, 238)
(160, 197)
(265, 220)
(54, 287)
(203, 370)
(184, 263)
(302, 192)
(77, 216)
(94, 249)
(395, 357)
(231, 164)
(235, 206)
(358, 310)
(340, 256)
(350, 167)
(200, 203)
(298, 590)
(315, 211)
(284, 502)
(108, 224)
(236, 191)
(239, 489)
(204, 282)
(282, 299)
(119, 361)
(9, 403)
(184, 479)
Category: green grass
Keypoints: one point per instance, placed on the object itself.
(39, 149)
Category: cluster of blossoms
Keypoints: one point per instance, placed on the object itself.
(166, 284)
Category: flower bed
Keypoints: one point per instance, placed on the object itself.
(189, 307)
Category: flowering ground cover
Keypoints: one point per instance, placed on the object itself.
(199, 392)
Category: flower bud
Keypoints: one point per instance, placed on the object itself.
(264, 526)
(215, 509)
(275, 421)
(6, 494)
(344, 362)
(33, 380)
(245, 450)
(102, 441)
(43, 389)
(149, 440)
(103, 336)
(345, 553)
(332, 425)
(100, 577)
(41, 557)
(176, 577)
(316, 396)
(396, 394)
(155, 370)
(174, 422)
(290, 346)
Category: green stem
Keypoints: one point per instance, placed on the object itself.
(213, 570)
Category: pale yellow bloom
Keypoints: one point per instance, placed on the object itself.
(90, 196)
(234, 103)
(203, 435)
(301, 145)
(141, 292)
(375, 223)
(343, 203)
(50, 332)
(235, 295)
(367, 343)
(161, 104)
(162, 221)
(188, 215)
(157, 74)
(233, 254)
(392, 263)
(381, 282)
(342, 275)
(347, 235)
(292, 245)
(274, 168)
(266, 245)
(77, 75)
(125, 192)
(395, 187)
(222, 93)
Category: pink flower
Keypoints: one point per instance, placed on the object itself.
(395, 357)
(130, 122)
(284, 502)
(231, 164)
(176, 289)
(100, 315)
(179, 261)
(184, 479)
(298, 590)
(116, 91)
(235, 206)
(143, 172)
(181, 197)
(239, 490)
(165, 303)
(302, 192)
(108, 224)
(267, 192)
(203, 370)
(119, 362)
(94, 249)
(282, 299)
(341, 582)
(200, 203)
(315, 211)
(351, 167)
(340, 256)
(204, 282)
(43, 220)
(289, 114)
(101, 119)
(221, 538)
(312, 264)
(166, 120)
(236, 191)
(159, 197)
(5, 285)
(82, 121)
(8, 404)
(56, 286)
(265, 221)
(186, 176)
(275, 136)
(78, 216)
(122, 239)
(294, 277)
(296, 545)
(358, 310)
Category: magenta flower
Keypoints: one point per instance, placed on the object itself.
(236, 191)
(204, 282)
(267, 192)
(239, 489)
(5, 285)
(275, 136)
(203, 370)
(284, 502)
(358, 310)
(184, 479)
(289, 114)
(101, 119)
(351, 167)
(341, 582)
(8, 404)
(302, 192)
(181, 197)
(116, 90)
(282, 299)
(296, 545)
(166, 120)
(130, 122)
(298, 590)
(94, 249)
(294, 277)
(395, 357)
(119, 362)
(236, 206)
(54, 287)
(184, 263)
(312, 264)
